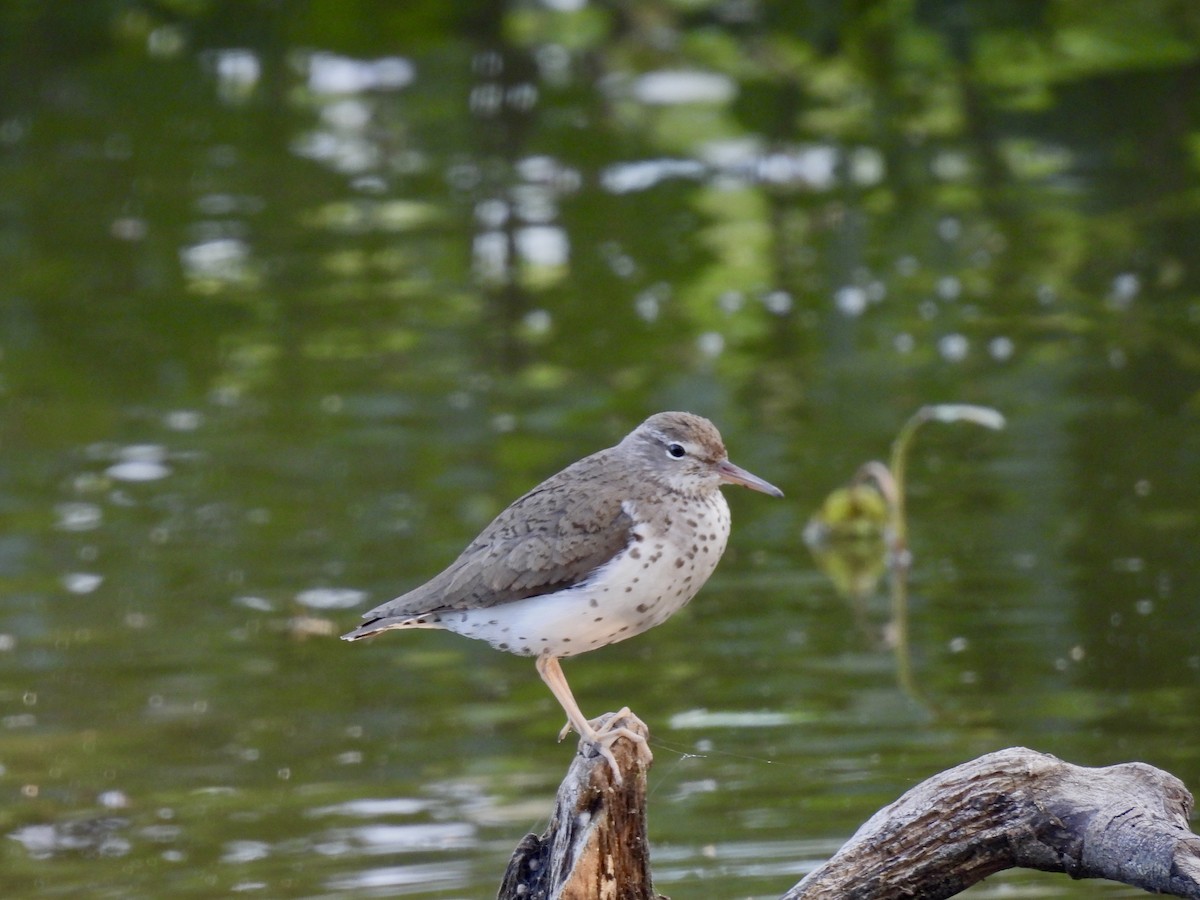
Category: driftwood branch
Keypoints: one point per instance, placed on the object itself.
(1012, 809)
(1019, 808)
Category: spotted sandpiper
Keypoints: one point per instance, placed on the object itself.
(609, 547)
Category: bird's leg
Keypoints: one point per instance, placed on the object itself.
(603, 737)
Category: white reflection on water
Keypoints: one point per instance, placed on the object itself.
(395, 879)
(785, 860)
(222, 259)
(710, 344)
(245, 851)
(140, 462)
(543, 245)
(954, 347)
(372, 807)
(347, 114)
(851, 300)
(237, 71)
(816, 167)
(98, 836)
(669, 87)
(183, 419)
(329, 73)
(331, 598)
(704, 718)
(138, 470)
(380, 839)
(81, 582)
(78, 516)
(1001, 348)
(259, 604)
(1125, 287)
(624, 178)
(343, 151)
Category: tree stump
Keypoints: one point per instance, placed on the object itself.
(595, 847)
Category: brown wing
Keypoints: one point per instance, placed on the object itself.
(552, 537)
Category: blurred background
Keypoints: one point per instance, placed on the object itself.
(295, 296)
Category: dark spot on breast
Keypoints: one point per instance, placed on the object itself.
(641, 607)
(502, 646)
(593, 603)
(692, 523)
(623, 629)
(493, 622)
(598, 619)
(629, 590)
(635, 553)
(679, 563)
(421, 621)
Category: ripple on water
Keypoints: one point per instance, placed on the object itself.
(378, 838)
(446, 875)
(81, 582)
(138, 470)
(99, 836)
(78, 516)
(372, 807)
(331, 598)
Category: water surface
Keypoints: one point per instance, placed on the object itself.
(296, 298)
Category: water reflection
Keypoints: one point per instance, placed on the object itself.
(414, 880)
(101, 837)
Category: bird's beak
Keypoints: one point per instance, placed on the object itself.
(737, 475)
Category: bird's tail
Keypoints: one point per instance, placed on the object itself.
(387, 623)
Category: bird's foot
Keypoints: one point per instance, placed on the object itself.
(604, 731)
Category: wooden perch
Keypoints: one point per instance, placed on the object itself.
(1012, 808)
(595, 846)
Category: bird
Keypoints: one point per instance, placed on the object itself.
(606, 549)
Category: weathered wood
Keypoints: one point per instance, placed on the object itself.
(1013, 808)
(1019, 808)
(595, 845)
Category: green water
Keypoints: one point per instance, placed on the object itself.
(296, 296)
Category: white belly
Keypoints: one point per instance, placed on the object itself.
(638, 589)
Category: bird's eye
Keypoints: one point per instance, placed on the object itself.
(676, 451)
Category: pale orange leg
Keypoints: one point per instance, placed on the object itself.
(603, 737)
